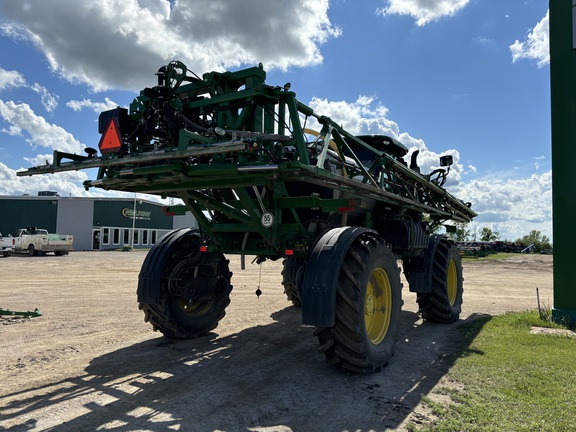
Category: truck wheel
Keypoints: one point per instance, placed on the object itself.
(444, 303)
(194, 292)
(32, 250)
(368, 308)
(290, 273)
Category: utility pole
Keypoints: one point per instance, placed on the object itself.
(563, 104)
(133, 224)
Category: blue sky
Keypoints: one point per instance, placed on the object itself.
(465, 77)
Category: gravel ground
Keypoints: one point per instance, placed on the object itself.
(91, 363)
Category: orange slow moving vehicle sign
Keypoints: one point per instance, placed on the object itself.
(111, 141)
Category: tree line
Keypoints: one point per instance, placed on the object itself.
(464, 234)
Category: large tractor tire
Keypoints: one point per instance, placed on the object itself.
(291, 272)
(444, 303)
(368, 308)
(194, 290)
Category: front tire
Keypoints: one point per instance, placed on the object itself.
(444, 302)
(194, 292)
(368, 308)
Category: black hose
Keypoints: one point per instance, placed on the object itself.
(191, 124)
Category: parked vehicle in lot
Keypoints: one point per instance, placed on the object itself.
(36, 241)
(6, 245)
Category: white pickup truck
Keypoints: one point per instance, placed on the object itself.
(6, 245)
(36, 241)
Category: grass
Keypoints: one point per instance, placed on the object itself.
(510, 380)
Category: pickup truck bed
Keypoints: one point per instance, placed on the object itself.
(38, 241)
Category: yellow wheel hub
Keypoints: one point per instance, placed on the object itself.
(378, 306)
(195, 309)
(452, 282)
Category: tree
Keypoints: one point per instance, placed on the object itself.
(536, 238)
(460, 233)
(487, 235)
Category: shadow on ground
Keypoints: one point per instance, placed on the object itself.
(265, 378)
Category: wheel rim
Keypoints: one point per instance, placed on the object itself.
(181, 274)
(194, 309)
(452, 282)
(378, 306)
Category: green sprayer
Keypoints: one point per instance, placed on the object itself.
(340, 210)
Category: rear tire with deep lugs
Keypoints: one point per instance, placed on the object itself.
(368, 308)
(444, 302)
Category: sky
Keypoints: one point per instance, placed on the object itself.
(470, 78)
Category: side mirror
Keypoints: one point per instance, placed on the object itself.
(446, 160)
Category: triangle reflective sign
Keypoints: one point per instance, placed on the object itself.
(111, 141)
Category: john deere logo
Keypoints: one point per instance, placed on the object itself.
(140, 214)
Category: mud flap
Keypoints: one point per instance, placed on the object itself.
(321, 276)
(418, 270)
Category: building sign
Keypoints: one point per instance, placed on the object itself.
(128, 213)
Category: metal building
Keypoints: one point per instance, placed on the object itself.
(95, 223)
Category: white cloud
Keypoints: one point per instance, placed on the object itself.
(117, 43)
(97, 107)
(160, 8)
(485, 42)
(423, 11)
(13, 130)
(41, 133)
(49, 100)
(365, 116)
(10, 79)
(13, 79)
(536, 45)
(513, 207)
(41, 159)
(67, 183)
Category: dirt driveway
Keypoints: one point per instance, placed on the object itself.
(91, 363)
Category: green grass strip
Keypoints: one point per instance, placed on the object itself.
(510, 380)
